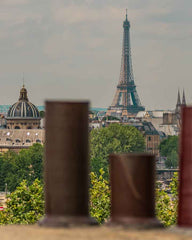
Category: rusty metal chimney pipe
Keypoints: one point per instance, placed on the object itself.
(185, 183)
(133, 194)
(66, 165)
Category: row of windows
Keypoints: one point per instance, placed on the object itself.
(24, 123)
(17, 127)
(27, 140)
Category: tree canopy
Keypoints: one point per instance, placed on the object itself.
(169, 149)
(25, 165)
(28, 165)
(172, 160)
(99, 197)
(114, 139)
(167, 202)
(25, 205)
(168, 145)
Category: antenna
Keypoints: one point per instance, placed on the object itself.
(126, 13)
(23, 80)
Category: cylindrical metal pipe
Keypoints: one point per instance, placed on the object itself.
(185, 183)
(132, 186)
(66, 165)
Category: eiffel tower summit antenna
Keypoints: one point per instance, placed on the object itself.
(126, 101)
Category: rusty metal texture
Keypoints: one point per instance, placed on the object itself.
(132, 184)
(66, 165)
(185, 186)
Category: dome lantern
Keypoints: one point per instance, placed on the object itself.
(23, 94)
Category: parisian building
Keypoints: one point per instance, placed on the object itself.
(22, 125)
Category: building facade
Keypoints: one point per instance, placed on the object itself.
(22, 125)
(17, 139)
(151, 135)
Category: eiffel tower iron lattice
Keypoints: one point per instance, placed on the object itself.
(126, 100)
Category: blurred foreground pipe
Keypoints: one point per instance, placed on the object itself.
(133, 195)
(185, 186)
(66, 166)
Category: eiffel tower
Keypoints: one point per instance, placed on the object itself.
(126, 100)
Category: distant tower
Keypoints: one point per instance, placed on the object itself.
(178, 108)
(178, 105)
(126, 100)
(184, 100)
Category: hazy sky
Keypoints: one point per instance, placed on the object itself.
(71, 49)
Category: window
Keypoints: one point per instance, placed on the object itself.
(28, 140)
(38, 141)
(149, 138)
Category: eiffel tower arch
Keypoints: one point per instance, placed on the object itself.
(126, 100)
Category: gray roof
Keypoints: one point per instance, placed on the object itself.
(23, 109)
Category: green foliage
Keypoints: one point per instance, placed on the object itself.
(114, 139)
(172, 160)
(35, 154)
(166, 204)
(169, 149)
(42, 114)
(168, 145)
(7, 160)
(166, 200)
(27, 164)
(15, 167)
(25, 205)
(99, 197)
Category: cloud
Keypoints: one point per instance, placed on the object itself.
(76, 14)
(13, 2)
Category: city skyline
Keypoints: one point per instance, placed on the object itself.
(72, 51)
